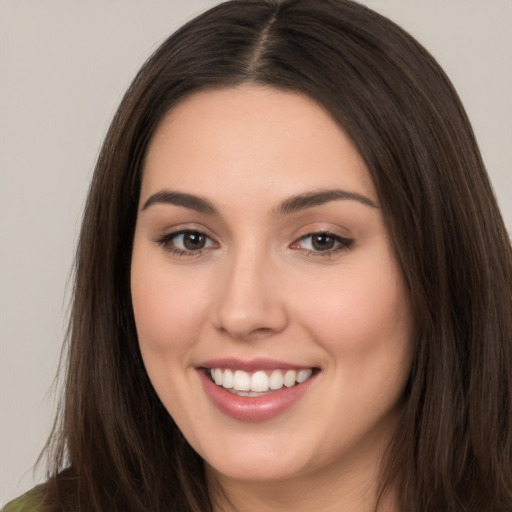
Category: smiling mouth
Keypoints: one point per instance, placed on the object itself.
(258, 383)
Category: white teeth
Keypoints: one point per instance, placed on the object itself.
(228, 379)
(217, 376)
(289, 378)
(276, 380)
(302, 375)
(242, 381)
(259, 381)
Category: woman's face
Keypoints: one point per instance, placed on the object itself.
(261, 260)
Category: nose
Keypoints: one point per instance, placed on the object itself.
(250, 302)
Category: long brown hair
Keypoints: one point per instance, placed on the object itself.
(115, 447)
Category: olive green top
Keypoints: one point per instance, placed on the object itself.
(29, 502)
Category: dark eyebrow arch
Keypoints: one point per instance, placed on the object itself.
(190, 201)
(317, 198)
(290, 205)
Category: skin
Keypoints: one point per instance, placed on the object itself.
(261, 288)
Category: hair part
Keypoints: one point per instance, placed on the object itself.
(116, 447)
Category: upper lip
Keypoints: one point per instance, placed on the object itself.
(252, 365)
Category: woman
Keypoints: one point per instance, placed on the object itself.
(293, 284)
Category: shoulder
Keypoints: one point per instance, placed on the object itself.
(29, 502)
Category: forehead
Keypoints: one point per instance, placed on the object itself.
(250, 137)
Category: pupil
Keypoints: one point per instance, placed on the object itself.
(194, 241)
(323, 242)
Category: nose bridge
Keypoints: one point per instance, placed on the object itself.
(250, 302)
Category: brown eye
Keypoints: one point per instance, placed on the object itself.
(323, 242)
(193, 240)
(186, 242)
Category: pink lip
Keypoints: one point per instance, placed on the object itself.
(258, 408)
(252, 365)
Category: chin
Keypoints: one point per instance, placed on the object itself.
(264, 470)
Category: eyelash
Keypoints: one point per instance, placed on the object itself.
(344, 244)
(166, 241)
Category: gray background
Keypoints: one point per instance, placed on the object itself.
(64, 65)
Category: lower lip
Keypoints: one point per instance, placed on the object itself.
(257, 408)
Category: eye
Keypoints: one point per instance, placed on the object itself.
(186, 242)
(323, 243)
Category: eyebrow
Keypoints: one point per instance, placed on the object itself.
(190, 201)
(291, 205)
(317, 198)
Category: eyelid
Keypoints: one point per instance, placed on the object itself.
(343, 243)
(169, 230)
(166, 241)
(178, 234)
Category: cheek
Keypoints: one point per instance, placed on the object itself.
(359, 312)
(364, 324)
(168, 306)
